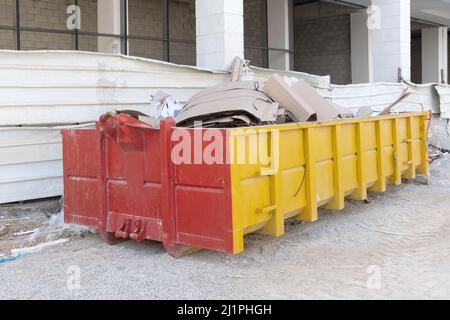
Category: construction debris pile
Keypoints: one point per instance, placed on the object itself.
(234, 104)
(252, 103)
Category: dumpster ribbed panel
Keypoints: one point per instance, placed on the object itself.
(320, 164)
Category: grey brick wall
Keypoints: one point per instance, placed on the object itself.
(7, 14)
(89, 23)
(7, 40)
(47, 14)
(182, 27)
(145, 18)
(323, 41)
(255, 32)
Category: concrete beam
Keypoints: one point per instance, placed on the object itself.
(435, 55)
(361, 48)
(109, 22)
(391, 24)
(220, 32)
(280, 33)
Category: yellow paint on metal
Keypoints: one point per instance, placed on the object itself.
(314, 165)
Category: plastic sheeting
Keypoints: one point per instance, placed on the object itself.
(444, 97)
(66, 87)
(380, 95)
(30, 163)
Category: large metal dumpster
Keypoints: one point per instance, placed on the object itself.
(129, 180)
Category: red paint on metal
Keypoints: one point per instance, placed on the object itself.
(121, 179)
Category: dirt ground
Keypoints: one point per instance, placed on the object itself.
(397, 246)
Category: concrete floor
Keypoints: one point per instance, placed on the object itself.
(395, 247)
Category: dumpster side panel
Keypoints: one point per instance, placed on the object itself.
(203, 193)
(82, 190)
(320, 164)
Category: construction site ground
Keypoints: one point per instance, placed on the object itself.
(395, 246)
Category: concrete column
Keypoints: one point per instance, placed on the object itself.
(280, 33)
(434, 55)
(220, 32)
(361, 48)
(391, 39)
(109, 22)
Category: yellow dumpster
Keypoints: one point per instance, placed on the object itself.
(320, 164)
(125, 178)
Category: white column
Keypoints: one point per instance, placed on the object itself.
(391, 39)
(280, 33)
(109, 22)
(434, 55)
(361, 48)
(220, 32)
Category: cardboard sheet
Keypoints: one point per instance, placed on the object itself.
(324, 109)
(297, 107)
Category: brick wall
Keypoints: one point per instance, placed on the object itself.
(255, 32)
(182, 27)
(322, 40)
(47, 14)
(7, 40)
(89, 23)
(7, 14)
(145, 18)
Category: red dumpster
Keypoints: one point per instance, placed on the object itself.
(119, 179)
